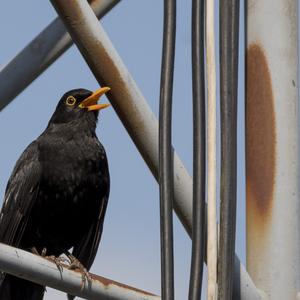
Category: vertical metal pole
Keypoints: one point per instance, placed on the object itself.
(211, 153)
(166, 186)
(229, 47)
(272, 152)
(199, 160)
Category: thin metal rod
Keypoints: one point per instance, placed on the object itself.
(229, 47)
(135, 113)
(211, 153)
(39, 54)
(199, 168)
(166, 186)
(42, 271)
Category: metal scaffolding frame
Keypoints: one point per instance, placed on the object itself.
(127, 100)
(39, 54)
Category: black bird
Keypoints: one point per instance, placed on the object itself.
(57, 194)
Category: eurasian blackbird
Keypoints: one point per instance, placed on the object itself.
(57, 195)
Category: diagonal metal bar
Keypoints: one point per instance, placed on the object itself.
(38, 55)
(42, 271)
(229, 33)
(135, 114)
(166, 186)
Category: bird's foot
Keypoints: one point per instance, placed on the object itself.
(59, 261)
(76, 264)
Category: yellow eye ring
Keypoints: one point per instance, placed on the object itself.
(70, 101)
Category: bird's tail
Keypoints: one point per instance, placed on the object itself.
(13, 288)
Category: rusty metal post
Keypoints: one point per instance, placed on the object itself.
(272, 151)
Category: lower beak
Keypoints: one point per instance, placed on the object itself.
(91, 102)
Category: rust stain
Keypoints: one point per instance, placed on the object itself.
(108, 282)
(105, 281)
(260, 133)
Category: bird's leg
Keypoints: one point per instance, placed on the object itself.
(34, 251)
(76, 264)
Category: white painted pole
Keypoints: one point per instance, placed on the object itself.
(272, 151)
(211, 153)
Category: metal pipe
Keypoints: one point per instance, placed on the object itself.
(229, 47)
(199, 155)
(272, 147)
(211, 153)
(40, 270)
(135, 113)
(39, 54)
(166, 186)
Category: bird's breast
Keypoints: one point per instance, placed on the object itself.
(74, 182)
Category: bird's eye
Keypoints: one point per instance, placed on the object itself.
(70, 101)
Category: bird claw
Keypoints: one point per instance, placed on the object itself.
(76, 264)
(59, 261)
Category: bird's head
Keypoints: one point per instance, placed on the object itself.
(79, 104)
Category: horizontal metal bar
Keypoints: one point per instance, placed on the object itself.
(39, 54)
(40, 270)
(135, 113)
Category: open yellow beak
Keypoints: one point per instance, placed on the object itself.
(91, 102)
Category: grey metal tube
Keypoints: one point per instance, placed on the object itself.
(166, 186)
(38, 55)
(135, 113)
(40, 270)
(199, 151)
(229, 47)
(126, 98)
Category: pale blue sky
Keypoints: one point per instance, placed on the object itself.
(129, 250)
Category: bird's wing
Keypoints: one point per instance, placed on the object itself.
(86, 250)
(20, 195)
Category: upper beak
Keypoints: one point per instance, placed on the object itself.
(91, 102)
